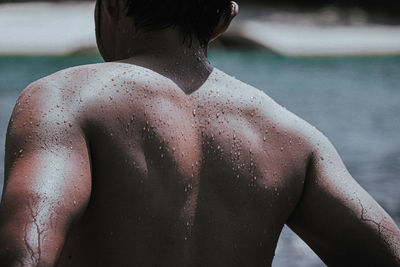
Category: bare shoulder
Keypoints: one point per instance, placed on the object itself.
(48, 99)
(62, 86)
(68, 90)
(262, 109)
(54, 106)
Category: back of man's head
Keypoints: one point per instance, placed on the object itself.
(197, 18)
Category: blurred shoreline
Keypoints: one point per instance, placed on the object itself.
(63, 28)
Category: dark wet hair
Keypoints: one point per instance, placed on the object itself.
(193, 17)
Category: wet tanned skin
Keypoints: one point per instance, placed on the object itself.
(126, 164)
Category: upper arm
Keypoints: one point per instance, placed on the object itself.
(340, 221)
(47, 177)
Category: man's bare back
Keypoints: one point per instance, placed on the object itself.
(205, 179)
(161, 160)
(170, 179)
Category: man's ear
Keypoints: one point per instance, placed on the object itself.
(225, 20)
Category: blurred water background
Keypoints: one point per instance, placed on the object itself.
(355, 101)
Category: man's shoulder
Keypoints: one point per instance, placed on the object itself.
(249, 98)
(263, 109)
(60, 94)
(60, 83)
(78, 76)
(52, 104)
(78, 84)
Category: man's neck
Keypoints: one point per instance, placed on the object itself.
(183, 61)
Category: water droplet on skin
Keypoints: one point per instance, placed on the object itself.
(74, 202)
(194, 112)
(282, 149)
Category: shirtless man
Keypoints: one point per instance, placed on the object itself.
(156, 158)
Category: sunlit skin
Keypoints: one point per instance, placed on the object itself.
(155, 158)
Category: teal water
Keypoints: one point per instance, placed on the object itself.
(354, 101)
